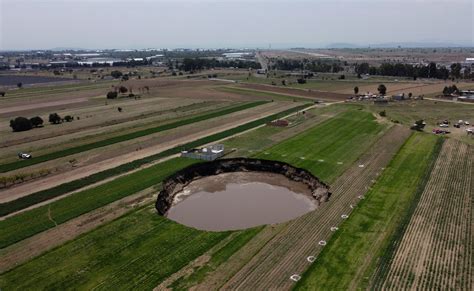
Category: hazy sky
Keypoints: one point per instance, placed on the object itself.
(42, 24)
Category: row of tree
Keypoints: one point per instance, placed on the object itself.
(432, 70)
(23, 123)
(197, 64)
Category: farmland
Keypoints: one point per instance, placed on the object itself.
(443, 258)
(366, 234)
(80, 215)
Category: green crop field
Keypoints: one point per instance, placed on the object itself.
(328, 149)
(135, 251)
(82, 148)
(108, 270)
(352, 253)
(28, 223)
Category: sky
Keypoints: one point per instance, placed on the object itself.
(102, 24)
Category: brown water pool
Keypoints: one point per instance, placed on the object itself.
(240, 200)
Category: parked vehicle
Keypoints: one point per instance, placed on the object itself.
(24, 156)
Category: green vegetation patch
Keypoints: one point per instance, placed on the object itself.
(363, 238)
(28, 223)
(121, 138)
(136, 251)
(198, 275)
(329, 148)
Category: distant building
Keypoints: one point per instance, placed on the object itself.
(209, 153)
(469, 61)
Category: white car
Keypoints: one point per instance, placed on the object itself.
(466, 122)
(24, 156)
(443, 125)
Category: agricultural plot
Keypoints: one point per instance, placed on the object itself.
(340, 139)
(136, 251)
(74, 150)
(287, 254)
(39, 219)
(352, 253)
(436, 249)
(28, 223)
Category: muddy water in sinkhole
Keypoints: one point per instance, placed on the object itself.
(240, 200)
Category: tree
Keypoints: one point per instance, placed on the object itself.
(20, 124)
(383, 113)
(2, 93)
(36, 121)
(382, 89)
(356, 90)
(410, 95)
(116, 74)
(419, 125)
(54, 118)
(342, 77)
(456, 70)
(112, 95)
(119, 109)
(19, 85)
(68, 118)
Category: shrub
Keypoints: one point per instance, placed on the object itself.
(2, 93)
(301, 81)
(68, 118)
(342, 77)
(36, 121)
(383, 113)
(382, 89)
(54, 118)
(112, 95)
(20, 124)
(116, 74)
(123, 89)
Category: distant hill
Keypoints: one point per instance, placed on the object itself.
(401, 44)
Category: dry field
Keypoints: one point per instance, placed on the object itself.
(107, 157)
(313, 94)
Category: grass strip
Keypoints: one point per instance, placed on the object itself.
(220, 256)
(363, 238)
(26, 224)
(135, 251)
(331, 147)
(379, 269)
(121, 138)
